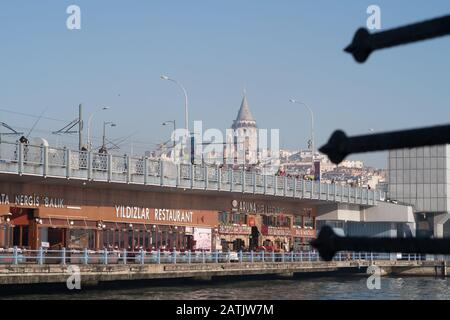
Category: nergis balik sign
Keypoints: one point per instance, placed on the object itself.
(32, 200)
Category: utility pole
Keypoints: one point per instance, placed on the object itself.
(80, 126)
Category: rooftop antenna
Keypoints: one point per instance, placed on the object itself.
(12, 132)
(67, 129)
(36, 122)
(121, 140)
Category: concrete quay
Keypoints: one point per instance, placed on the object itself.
(95, 274)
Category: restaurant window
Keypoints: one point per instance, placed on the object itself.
(155, 237)
(131, 239)
(171, 238)
(119, 239)
(20, 236)
(298, 221)
(284, 221)
(309, 222)
(277, 221)
(223, 217)
(80, 238)
(141, 234)
(232, 218)
(7, 238)
(148, 242)
(163, 235)
(108, 239)
(298, 244)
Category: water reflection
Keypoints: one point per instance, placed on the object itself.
(297, 289)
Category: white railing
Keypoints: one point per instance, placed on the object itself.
(43, 256)
(23, 159)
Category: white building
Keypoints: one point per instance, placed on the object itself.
(421, 177)
(353, 164)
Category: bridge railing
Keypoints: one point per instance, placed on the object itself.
(25, 159)
(42, 256)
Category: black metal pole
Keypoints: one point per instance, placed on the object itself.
(339, 145)
(328, 243)
(365, 43)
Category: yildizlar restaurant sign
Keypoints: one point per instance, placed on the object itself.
(32, 200)
(166, 215)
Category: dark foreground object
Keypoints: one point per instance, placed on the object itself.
(339, 146)
(365, 43)
(328, 243)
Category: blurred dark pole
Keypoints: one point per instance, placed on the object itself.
(339, 146)
(365, 43)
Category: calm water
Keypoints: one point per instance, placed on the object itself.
(310, 288)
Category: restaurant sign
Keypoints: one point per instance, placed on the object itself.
(234, 229)
(251, 207)
(276, 231)
(303, 233)
(158, 215)
(32, 200)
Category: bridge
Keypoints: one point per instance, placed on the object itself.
(61, 163)
(69, 198)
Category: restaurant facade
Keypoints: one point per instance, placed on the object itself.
(76, 215)
(275, 225)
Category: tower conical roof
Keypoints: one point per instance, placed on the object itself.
(244, 112)
(244, 118)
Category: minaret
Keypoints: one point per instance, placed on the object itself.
(245, 135)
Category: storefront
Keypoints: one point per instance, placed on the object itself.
(276, 238)
(71, 216)
(235, 237)
(253, 225)
(34, 220)
(302, 238)
(303, 230)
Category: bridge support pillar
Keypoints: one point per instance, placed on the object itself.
(438, 228)
(438, 224)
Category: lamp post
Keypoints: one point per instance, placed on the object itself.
(186, 112)
(312, 127)
(106, 123)
(89, 144)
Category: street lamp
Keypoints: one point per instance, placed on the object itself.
(186, 113)
(174, 128)
(7, 219)
(89, 144)
(106, 123)
(312, 127)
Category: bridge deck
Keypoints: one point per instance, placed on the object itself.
(43, 161)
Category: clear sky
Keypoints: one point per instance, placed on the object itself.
(277, 50)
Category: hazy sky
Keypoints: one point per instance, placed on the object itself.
(276, 49)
